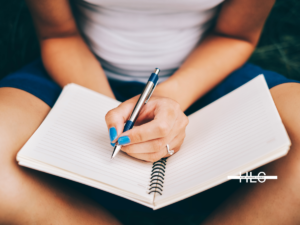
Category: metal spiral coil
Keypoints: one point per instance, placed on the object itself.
(157, 176)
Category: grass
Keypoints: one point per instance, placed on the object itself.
(279, 46)
(278, 50)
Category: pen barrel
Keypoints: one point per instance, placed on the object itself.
(147, 90)
(144, 98)
(128, 126)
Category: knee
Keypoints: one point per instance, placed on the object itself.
(20, 115)
(10, 191)
(286, 98)
(13, 179)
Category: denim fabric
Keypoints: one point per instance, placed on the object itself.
(34, 79)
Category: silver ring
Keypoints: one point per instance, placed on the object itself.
(171, 152)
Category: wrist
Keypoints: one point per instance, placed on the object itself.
(170, 89)
(166, 89)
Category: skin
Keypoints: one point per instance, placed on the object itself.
(28, 196)
(166, 124)
(67, 59)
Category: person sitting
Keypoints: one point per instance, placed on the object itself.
(201, 47)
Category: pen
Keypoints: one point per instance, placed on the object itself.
(144, 98)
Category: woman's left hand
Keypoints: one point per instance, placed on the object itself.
(160, 122)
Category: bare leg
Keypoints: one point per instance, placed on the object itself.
(27, 196)
(277, 201)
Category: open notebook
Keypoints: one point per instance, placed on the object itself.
(237, 133)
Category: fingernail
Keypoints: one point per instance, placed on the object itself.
(124, 140)
(112, 133)
(113, 144)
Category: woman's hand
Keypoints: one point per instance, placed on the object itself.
(159, 123)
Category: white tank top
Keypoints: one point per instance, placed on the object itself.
(132, 37)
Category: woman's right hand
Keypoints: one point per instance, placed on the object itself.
(160, 122)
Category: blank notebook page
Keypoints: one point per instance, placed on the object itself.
(227, 134)
(74, 137)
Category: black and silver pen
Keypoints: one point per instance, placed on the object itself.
(144, 98)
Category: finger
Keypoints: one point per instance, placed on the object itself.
(154, 145)
(177, 142)
(147, 147)
(116, 118)
(159, 127)
(153, 157)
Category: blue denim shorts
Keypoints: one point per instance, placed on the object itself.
(34, 79)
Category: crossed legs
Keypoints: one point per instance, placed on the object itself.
(30, 197)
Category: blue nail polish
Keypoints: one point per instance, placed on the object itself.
(124, 140)
(112, 133)
(113, 144)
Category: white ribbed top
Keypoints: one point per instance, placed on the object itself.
(132, 37)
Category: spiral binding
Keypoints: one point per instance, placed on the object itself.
(157, 176)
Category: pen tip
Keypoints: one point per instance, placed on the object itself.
(156, 71)
(117, 148)
(113, 155)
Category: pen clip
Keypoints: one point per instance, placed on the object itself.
(150, 93)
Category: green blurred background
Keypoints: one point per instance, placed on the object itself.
(278, 50)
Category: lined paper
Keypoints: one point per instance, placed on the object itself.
(240, 130)
(234, 131)
(74, 137)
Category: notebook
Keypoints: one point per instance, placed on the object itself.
(235, 134)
